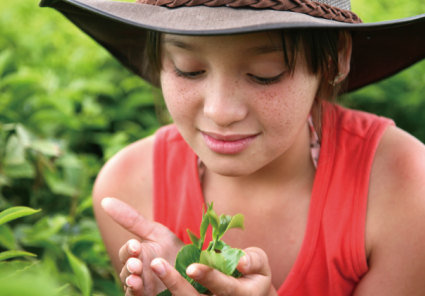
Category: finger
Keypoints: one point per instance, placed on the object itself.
(132, 248)
(254, 261)
(133, 221)
(134, 286)
(132, 266)
(223, 285)
(256, 280)
(172, 279)
(218, 283)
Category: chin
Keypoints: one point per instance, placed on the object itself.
(227, 169)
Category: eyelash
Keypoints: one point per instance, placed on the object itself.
(187, 75)
(259, 80)
(267, 81)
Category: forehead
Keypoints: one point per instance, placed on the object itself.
(255, 43)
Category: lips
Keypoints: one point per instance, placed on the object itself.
(228, 144)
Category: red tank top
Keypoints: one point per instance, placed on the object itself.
(332, 258)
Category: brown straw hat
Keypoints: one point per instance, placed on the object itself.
(379, 49)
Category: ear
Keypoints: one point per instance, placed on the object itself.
(345, 48)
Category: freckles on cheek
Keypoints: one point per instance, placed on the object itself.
(178, 96)
(275, 108)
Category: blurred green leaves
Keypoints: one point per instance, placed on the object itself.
(15, 213)
(81, 272)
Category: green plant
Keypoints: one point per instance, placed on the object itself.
(218, 254)
(13, 271)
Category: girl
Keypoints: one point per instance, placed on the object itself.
(333, 198)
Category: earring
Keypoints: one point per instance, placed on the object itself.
(337, 78)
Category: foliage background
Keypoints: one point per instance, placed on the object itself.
(66, 107)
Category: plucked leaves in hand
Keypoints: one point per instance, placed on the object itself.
(228, 222)
(214, 260)
(231, 257)
(218, 255)
(193, 238)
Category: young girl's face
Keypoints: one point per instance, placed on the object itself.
(234, 101)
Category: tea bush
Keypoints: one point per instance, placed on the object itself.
(66, 107)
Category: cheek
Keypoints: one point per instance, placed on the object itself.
(179, 97)
(285, 108)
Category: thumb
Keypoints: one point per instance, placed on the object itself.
(132, 220)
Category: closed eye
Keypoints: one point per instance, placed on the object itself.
(267, 80)
(187, 75)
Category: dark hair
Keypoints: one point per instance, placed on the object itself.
(319, 48)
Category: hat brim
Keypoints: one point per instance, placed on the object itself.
(379, 49)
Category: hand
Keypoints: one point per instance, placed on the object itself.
(256, 280)
(157, 241)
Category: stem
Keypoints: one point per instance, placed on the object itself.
(215, 242)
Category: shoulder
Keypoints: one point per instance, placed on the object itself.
(398, 171)
(395, 236)
(128, 175)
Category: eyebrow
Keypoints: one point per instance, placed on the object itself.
(265, 49)
(180, 44)
(256, 50)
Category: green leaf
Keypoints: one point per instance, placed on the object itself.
(46, 147)
(203, 229)
(228, 222)
(4, 180)
(188, 255)
(237, 274)
(213, 217)
(23, 170)
(24, 135)
(5, 58)
(29, 280)
(237, 222)
(165, 293)
(232, 257)
(86, 204)
(15, 151)
(8, 126)
(15, 213)
(61, 289)
(214, 260)
(14, 267)
(7, 239)
(12, 254)
(193, 238)
(58, 185)
(224, 222)
(221, 246)
(81, 272)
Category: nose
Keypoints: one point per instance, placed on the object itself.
(224, 103)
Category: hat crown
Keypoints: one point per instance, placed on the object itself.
(342, 4)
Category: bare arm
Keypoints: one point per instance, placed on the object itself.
(128, 177)
(395, 224)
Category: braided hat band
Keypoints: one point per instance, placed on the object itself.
(337, 10)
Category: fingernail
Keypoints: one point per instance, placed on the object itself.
(158, 267)
(194, 272)
(127, 284)
(132, 247)
(128, 266)
(246, 260)
(105, 201)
